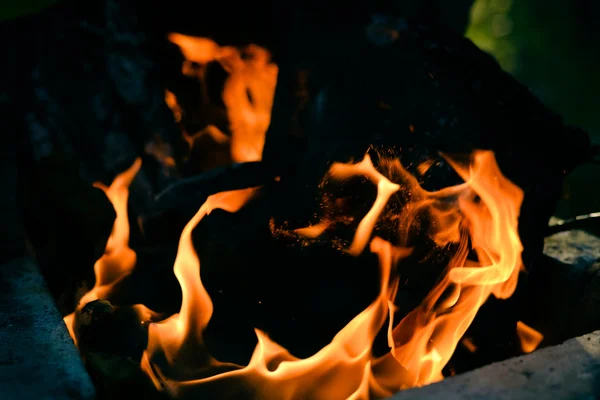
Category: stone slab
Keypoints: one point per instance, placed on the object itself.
(38, 359)
(574, 247)
(570, 371)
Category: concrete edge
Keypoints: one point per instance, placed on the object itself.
(38, 359)
(568, 371)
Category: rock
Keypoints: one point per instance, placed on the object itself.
(37, 357)
(561, 298)
(567, 371)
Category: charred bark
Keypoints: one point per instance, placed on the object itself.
(87, 97)
(420, 88)
(68, 223)
(88, 88)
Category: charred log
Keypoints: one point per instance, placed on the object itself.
(104, 328)
(91, 90)
(68, 223)
(111, 341)
(175, 205)
(419, 88)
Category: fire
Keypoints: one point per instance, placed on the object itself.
(469, 345)
(118, 260)
(248, 92)
(171, 101)
(479, 215)
(530, 338)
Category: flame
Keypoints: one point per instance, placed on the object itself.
(530, 338)
(487, 213)
(249, 115)
(167, 359)
(118, 260)
(196, 49)
(172, 103)
(248, 92)
(161, 151)
(480, 214)
(469, 345)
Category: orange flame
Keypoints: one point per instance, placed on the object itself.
(530, 338)
(172, 103)
(118, 260)
(485, 209)
(248, 92)
(469, 345)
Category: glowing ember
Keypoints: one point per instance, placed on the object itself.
(248, 92)
(118, 260)
(480, 214)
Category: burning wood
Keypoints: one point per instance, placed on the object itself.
(456, 219)
(483, 210)
(118, 260)
(68, 223)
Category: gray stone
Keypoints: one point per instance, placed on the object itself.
(37, 357)
(563, 296)
(574, 247)
(564, 302)
(567, 371)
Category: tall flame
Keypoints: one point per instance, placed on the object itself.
(248, 92)
(481, 213)
(118, 259)
(487, 212)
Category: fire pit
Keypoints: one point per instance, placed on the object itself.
(270, 225)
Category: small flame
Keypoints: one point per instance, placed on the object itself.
(172, 103)
(161, 151)
(118, 260)
(196, 49)
(248, 92)
(530, 338)
(425, 166)
(469, 345)
(482, 213)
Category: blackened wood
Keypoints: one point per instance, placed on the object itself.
(420, 89)
(423, 89)
(90, 88)
(177, 204)
(68, 223)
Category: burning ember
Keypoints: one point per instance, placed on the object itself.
(476, 221)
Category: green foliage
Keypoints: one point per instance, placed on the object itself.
(540, 42)
(16, 8)
(546, 45)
